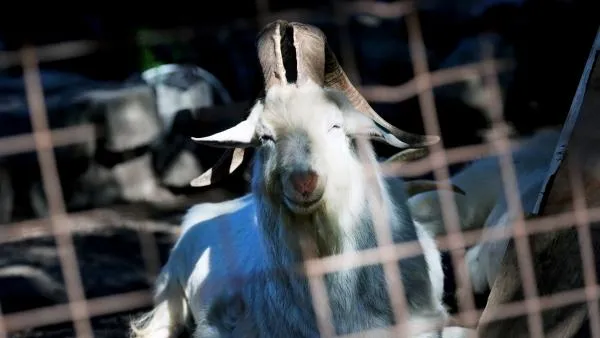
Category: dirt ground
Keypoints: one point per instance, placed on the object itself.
(110, 263)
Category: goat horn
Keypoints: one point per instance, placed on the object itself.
(291, 52)
(273, 48)
(294, 52)
(309, 44)
(336, 78)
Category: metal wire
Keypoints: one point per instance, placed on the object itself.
(441, 173)
(50, 180)
(498, 137)
(585, 243)
(61, 224)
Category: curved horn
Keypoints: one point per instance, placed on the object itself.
(270, 53)
(336, 78)
(309, 44)
(291, 52)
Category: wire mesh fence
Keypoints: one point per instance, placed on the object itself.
(61, 223)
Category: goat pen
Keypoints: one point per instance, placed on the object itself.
(539, 291)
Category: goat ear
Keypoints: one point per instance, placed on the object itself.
(227, 164)
(242, 135)
(416, 187)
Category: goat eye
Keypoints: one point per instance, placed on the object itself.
(335, 126)
(265, 138)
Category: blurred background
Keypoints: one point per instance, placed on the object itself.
(125, 91)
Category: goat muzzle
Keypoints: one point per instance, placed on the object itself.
(304, 182)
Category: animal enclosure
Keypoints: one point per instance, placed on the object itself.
(93, 269)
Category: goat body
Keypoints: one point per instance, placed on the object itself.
(250, 245)
(312, 197)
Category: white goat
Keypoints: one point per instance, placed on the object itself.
(484, 203)
(309, 196)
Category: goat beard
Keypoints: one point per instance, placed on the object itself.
(308, 236)
(315, 235)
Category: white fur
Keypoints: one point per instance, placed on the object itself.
(433, 258)
(196, 268)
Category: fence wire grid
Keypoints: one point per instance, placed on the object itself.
(62, 224)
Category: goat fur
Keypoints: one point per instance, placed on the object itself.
(311, 120)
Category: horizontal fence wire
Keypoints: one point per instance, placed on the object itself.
(63, 225)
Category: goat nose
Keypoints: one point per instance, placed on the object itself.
(304, 182)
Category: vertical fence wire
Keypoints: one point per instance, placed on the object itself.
(378, 210)
(441, 173)
(584, 235)
(381, 221)
(53, 191)
(346, 47)
(498, 138)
